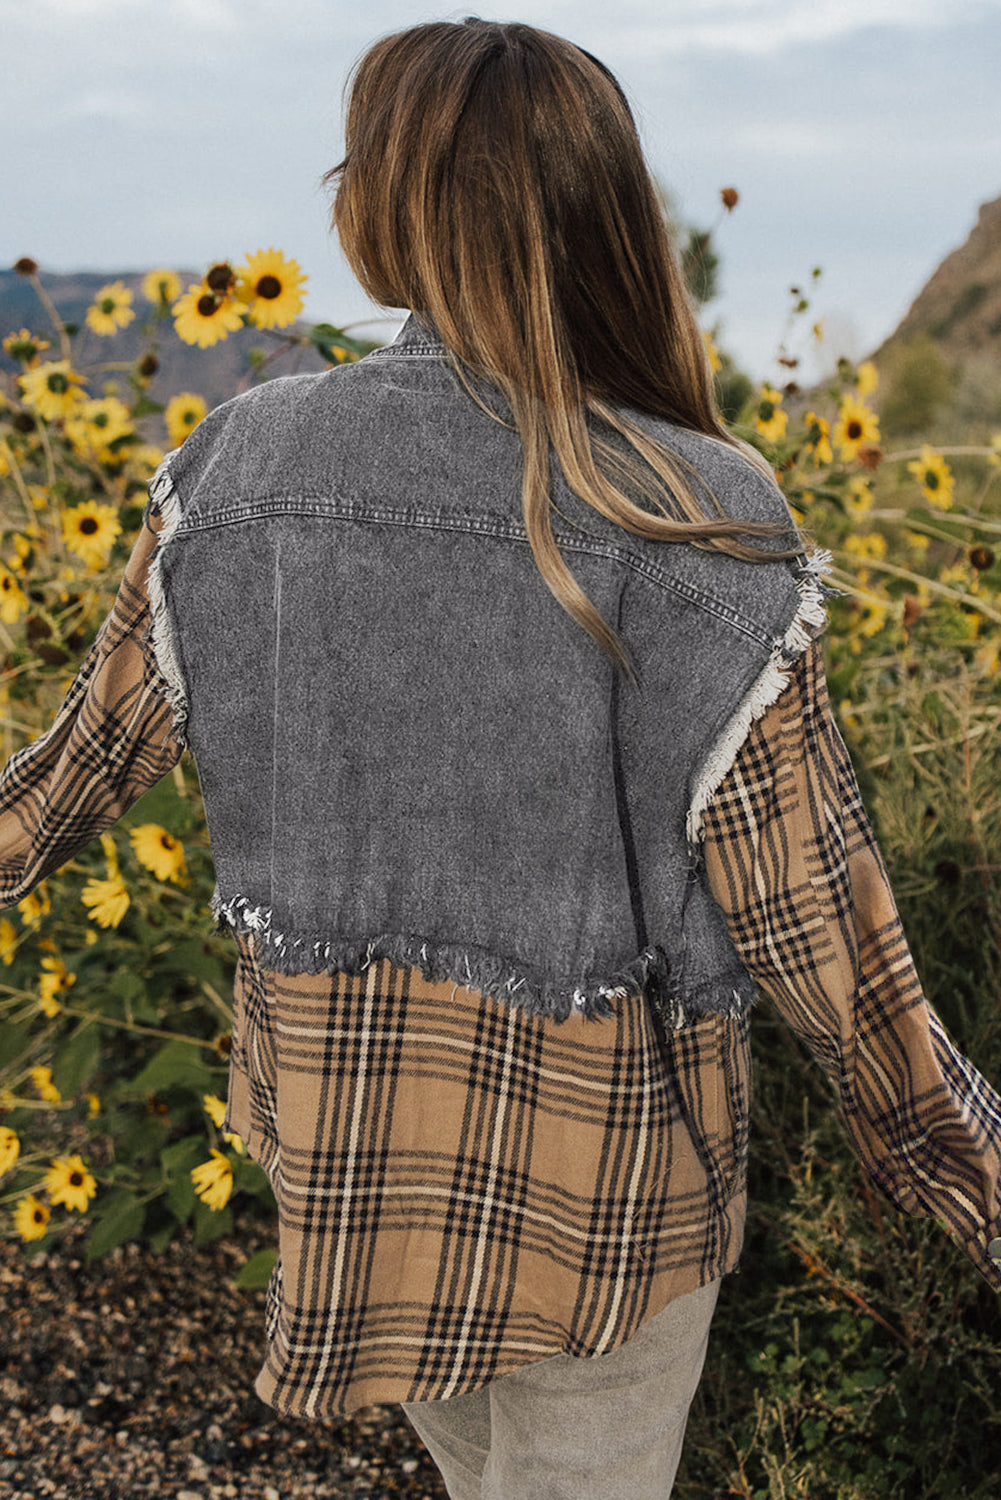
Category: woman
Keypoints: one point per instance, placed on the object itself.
(499, 659)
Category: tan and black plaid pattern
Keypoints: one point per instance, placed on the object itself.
(110, 742)
(791, 858)
(463, 1188)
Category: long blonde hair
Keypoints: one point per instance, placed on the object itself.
(493, 178)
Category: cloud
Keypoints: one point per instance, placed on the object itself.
(762, 29)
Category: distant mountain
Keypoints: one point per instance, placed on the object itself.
(960, 305)
(940, 368)
(215, 373)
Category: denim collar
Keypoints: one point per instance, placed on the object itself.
(419, 335)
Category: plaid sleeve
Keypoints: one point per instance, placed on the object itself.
(111, 740)
(792, 860)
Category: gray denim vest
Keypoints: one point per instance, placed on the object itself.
(406, 747)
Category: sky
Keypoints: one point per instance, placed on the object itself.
(862, 135)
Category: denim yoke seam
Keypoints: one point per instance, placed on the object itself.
(488, 527)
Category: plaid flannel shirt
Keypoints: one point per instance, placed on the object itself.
(464, 1188)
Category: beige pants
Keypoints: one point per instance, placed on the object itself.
(606, 1428)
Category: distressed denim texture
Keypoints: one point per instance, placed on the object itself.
(406, 746)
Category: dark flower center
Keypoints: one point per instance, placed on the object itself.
(166, 841)
(101, 420)
(6, 583)
(188, 418)
(982, 558)
(108, 305)
(58, 384)
(766, 410)
(207, 305)
(270, 287)
(76, 1179)
(931, 480)
(220, 277)
(88, 525)
(39, 1215)
(854, 431)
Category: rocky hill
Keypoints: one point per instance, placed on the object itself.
(940, 369)
(960, 306)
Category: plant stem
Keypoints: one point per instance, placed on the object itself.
(50, 308)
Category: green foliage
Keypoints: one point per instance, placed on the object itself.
(920, 383)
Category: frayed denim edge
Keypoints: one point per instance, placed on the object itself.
(808, 622)
(161, 632)
(499, 979)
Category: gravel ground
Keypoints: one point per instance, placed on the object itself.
(133, 1376)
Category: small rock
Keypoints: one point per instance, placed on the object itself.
(270, 1493)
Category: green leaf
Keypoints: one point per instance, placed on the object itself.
(177, 1161)
(256, 1272)
(145, 407)
(176, 1065)
(14, 1039)
(143, 1140)
(211, 1223)
(76, 1062)
(120, 1218)
(161, 1238)
(193, 957)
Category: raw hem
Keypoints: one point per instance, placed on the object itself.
(161, 633)
(506, 981)
(278, 1388)
(808, 622)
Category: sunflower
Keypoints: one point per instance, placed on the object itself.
(871, 545)
(715, 363)
(819, 438)
(269, 285)
(89, 530)
(215, 1108)
(856, 425)
(13, 600)
(31, 1218)
(41, 1077)
(52, 390)
(866, 379)
(859, 497)
(10, 1148)
(35, 905)
(8, 941)
(161, 286)
(111, 309)
(24, 346)
(108, 900)
(203, 317)
(183, 414)
(68, 1182)
(213, 1180)
(160, 852)
(96, 425)
(54, 981)
(770, 419)
(934, 476)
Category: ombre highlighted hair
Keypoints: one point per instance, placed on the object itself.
(493, 178)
